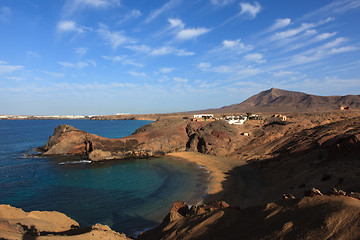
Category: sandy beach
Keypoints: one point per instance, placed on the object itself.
(248, 185)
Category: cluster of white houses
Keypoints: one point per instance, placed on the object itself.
(240, 119)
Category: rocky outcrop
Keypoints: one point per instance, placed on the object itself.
(17, 224)
(216, 138)
(316, 217)
(69, 140)
(159, 138)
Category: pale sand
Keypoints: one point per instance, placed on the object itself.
(218, 167)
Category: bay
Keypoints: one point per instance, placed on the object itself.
(128, 195)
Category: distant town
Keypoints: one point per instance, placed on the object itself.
(25, 117)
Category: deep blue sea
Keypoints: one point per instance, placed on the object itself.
(128, 195)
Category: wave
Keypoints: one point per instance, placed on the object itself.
(76, 162)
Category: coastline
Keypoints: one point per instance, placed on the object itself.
(218, 168)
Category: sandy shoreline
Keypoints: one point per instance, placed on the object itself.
(218, 167)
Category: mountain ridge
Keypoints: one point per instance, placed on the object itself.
(279, 100)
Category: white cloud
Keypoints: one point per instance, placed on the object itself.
(335, 7)
(204, 66)
(6, 68)
(180, 80)
(292, 32)
(222, 2)
(250, 9)
(115, 39)
(137, 74)
(124, 60)
(182, 52)
(130, 15)
(166, 70)
(175, 22)
(80, 64)
(139, 48)
(164, 50)
(66, 64)
(186, 33)
(5, 14)
(324, 36)
(33, 54)
(256, 57)
(166, 7)
(280, 23)
(69, 26)
(191, 33)
(73, 5)
(322, 52)
(54, 74)
(282, 73)
(81, 51)
(235, 46)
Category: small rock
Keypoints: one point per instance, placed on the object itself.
(337, 192)
(312, 192)
(288, 196)
(354, 195)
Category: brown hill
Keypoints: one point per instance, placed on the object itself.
(278, 100)
(319, 217)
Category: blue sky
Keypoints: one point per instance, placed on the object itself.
(126, 56)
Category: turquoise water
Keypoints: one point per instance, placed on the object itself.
(127, 195)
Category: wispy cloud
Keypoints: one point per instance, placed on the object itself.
(183, 33)
(6, 68)
(166, 70)
(222, 2)
(249, 9)
(323, 51)
(72, 6)
(137, 74)
(70, 26)
(230, 48)
(291, 32)
(79, 64)
(334, 8)
(32, 54)
(255, 57)
(160, 51)
(133, 14)
(5, 13)
(166, 7)
(180, 80)
(115, 39)
(191, 33)
(54, 74)
(123, 60)
(81, 51)
(279, 23)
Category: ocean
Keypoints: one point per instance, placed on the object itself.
(128, 195)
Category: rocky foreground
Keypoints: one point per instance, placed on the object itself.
(315, 216)
(252, 164)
